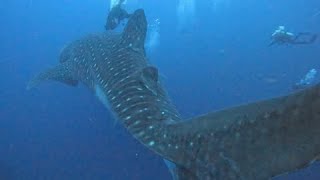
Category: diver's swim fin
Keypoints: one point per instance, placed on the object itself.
(313, 38)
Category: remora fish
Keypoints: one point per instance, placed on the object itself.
(254, 141)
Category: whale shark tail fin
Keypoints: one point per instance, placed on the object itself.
(134, 34)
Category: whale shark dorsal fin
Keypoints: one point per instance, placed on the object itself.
(149, 78)
(150, 73)
(134, 34)
(60, 73)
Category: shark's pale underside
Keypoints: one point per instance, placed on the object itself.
(255, 141)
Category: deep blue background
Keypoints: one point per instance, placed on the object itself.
(59, 132)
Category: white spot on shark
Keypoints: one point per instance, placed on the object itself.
(141, 133)
(151, 143)
(137, 122)
(124, 110)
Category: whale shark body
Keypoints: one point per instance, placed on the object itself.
(254, 141)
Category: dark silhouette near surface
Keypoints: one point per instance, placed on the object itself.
(115, 16)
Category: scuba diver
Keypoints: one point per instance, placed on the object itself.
(281, 36)
(115, 16)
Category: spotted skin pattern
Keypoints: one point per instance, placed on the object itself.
(254, 141)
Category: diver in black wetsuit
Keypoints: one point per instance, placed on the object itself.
(281, 36)
(115, 16)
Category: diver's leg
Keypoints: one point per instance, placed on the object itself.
(305, 38)
(313, 38)
(300, 35)
(300, 42)
(304, 33)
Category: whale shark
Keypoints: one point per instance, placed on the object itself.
(254, 141)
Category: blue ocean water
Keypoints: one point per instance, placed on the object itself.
(219, 59)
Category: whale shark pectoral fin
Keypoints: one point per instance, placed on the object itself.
(171, 166)
(177, 172)
(181, 173)
(60, 73)
(315, 159)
